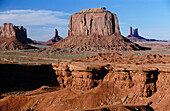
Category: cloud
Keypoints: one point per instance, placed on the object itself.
(33, 17)
(40, 24)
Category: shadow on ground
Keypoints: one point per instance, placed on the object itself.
(14, 77)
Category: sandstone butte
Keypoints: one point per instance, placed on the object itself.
(135, 37)
(52, 41)
(95, 29)
(13, 37)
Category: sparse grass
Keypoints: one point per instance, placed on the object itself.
(142, 53)
(81, 93)
(31, 56)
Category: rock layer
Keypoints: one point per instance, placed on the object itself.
(13, 37)
(93, 21)
(95, 29)
(85, 76)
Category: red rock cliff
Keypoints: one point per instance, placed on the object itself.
(93, 21)
(13, 37)
(92, 30)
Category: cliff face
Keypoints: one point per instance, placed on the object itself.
(93, 21)
(93, 30)
(7, 30)
(13, 37)
(135, 32)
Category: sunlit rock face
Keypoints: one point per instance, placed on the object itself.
(94, 29)
(13, 37)
(93, 21)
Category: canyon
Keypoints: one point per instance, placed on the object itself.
(87, 84)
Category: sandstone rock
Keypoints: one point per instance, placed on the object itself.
(112, 83)
(52, 41)
(85, 75)
(131, 31)
(13, 37)
(135, 37)
(79, 66)
(93, 21)
(135, 32)
(80, 75)
(93, 30)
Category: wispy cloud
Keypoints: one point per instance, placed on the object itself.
(36, 20)
(33, 17)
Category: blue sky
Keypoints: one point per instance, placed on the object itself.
(40, 17)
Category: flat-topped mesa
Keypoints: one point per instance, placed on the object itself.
(99, 9)
(13, 37)
(13, 32)
(93, 30)
(95, 21)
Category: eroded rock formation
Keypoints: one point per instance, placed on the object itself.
(52, 41)
(85, 76)
(13, 37)
(95, 29)
(97, 21)
(135, 37)
(93, 85)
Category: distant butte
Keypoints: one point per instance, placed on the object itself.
(54, 40)
(13, 37)
(135, 37)
(92, 30)
(50, 42)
